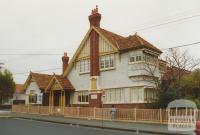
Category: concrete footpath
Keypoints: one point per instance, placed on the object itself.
(116, 125)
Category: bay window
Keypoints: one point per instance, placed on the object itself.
(136, 57)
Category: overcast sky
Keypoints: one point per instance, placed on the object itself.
(55, 26)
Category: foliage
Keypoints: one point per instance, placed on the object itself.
(7, 84)
(165, 97)
(179, 80)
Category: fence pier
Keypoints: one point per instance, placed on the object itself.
(94, 112)
(160, 115)
(135, 114)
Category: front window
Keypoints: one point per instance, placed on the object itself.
(33, 99)
(136, 95)
(106, 61)
(83, 97)
(115, 95)
(150, 95)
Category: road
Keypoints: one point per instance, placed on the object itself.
(30, 127)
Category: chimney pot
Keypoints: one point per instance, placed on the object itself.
(95, 18)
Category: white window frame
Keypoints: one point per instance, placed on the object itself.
(83, 66)
(115, 96)
(136, 57)
(107, 62)
(137, 95)
(82, 94)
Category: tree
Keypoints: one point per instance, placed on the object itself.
(7, 85)
(177, 64)
(190, 84)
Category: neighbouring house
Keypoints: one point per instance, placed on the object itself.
(111, 69)
(35, 89)
(19, 96)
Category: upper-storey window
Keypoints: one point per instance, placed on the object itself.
(150, 58)
(141, 56)
(136, 57)
(107, 61)
(84, 66)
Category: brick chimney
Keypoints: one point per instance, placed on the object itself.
(95, 18)
(94, 95)
(65, 60)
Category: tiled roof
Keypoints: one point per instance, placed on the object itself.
(65, 83)
(19, 89)
(127, 43)
(112, 37)
(41, 79)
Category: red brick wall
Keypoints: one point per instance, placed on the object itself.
(65, 60)
(95, 102)
(94, 53)
(94, 19)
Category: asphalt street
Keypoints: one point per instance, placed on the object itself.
(30, 127)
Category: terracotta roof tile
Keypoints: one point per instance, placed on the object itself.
(41, 79)
(66, 84)
(112, 37)
(127, 43)
(19, 89)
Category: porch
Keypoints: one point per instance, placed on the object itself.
(58, 90)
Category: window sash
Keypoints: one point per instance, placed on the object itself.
(106, 61)
(116, 95)
(137, 95)
(84, 66)
(82, 97)
(33, 99)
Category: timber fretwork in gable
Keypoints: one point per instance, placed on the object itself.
(104, 48)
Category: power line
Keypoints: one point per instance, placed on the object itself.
(172, 17)
(184, 45)
(166, 23)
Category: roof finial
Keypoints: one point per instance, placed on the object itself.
(94, 11)
(97, 8)
(65, 54)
